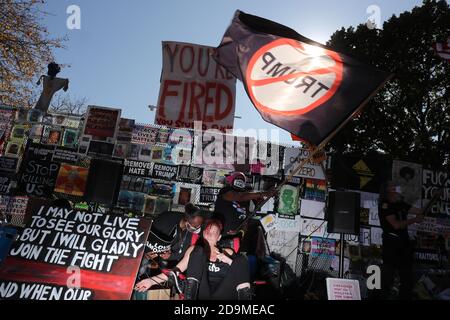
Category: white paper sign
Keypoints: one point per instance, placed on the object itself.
(285, 244)
(293, 225)
(316, 228)
(376, 236)
(343, 289)
(310, 170)
(364, 237)
(335, 264)
(269, 222)
(312, 209)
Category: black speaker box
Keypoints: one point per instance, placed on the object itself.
(343, 212)
(103, 182)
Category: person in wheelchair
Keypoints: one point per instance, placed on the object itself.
(171, 234)
(211, 273)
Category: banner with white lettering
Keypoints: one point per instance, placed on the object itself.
(66, 254)
(137, 168)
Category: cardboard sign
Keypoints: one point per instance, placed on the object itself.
(65, 155)
(38, 178)
(101, 123)
(293, 157)
(189, 174)
(71, 180)
(208, 194)
(8, 164)
(343, 289)
(164, 171)
(105, 250)
(194, 88)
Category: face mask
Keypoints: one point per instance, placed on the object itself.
(398, 189)
(239, 184)
(190, 228)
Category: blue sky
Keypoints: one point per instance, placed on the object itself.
(115, 58)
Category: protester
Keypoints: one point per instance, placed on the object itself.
(172, 233)
(232, 200)
(212, 273)
(397, 247)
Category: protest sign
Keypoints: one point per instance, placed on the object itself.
(101, 123)
(71, 180)
(103, 250)
(38, 177)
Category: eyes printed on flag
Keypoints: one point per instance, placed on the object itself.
(289, 77)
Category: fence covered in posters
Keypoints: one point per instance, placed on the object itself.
(163, 168)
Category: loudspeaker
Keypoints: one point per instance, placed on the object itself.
(343, 212)
(103, 182)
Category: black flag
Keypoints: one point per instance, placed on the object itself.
(295, 83)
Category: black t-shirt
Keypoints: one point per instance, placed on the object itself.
(399, 210)
(165, 223)
(231, 213)
(216, 273)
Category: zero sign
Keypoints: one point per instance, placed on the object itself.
(289, 77)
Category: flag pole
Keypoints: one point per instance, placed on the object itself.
(313, 151)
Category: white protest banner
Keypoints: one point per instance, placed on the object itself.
(194, 88)
(309, 170)
(343, 289)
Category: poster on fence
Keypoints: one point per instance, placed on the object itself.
(102, 123)
(38, 178)
(104, 250)
(194, 88)
(71, 180)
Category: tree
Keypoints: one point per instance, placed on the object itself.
(410, 117)
(25, 50)
(63, 103)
